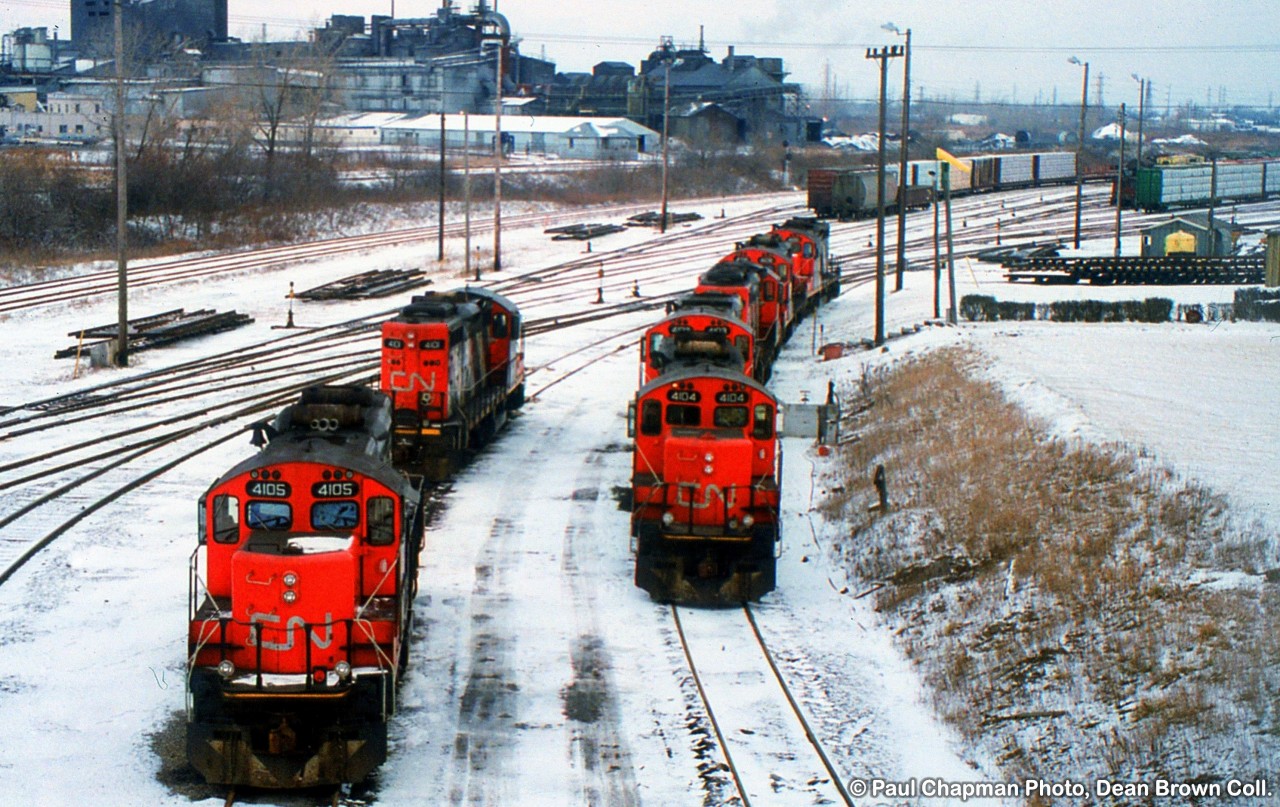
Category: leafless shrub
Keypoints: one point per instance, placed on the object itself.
(1097, 630)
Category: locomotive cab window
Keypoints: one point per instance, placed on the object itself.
(683, 415)
(274, 516)
(651, 418)
(226, 519)
(762, 422)
(381, 512)
(730, 417)
(340, 515)
(500, 327)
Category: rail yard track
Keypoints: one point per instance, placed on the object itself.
(740, 693)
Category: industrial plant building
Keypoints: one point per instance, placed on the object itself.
(450, 62)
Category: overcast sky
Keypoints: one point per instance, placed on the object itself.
(1011, 50)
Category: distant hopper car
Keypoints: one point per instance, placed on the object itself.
(301, 598)
(453, 364)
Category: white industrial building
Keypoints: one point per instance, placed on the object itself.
(567, 137)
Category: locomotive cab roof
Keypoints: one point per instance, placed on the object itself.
(702, 369)
(780, 254)
(711, 301)
(465, 303)
(345, 427)
(727, 313)
(809, 225)
(768, 241)
(732, 273)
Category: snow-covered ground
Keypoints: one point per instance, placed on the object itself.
(539, 674)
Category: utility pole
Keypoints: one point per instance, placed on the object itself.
(882, 55)
(1213, 200)
(666, 114)
(1142, 105)
(902, 155)
(937, 258)
(122, 195)
(466, 193)
(1084, 105)
(1120, 183)
(497, 164)
(951, 254)
(440, 212)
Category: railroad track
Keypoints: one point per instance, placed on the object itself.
(770, 750)
(102, 477)
(191, 397)
(103, 282)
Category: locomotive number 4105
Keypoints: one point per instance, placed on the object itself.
(334, 490)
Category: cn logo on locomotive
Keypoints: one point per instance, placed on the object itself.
(294, 623)
(402, 381)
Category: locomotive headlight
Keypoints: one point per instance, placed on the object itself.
(707, 469)
(290, 579)
(709, 457)
(343, 669)
(747, 520)
(290, 596)
(668, 518)
(226, 668)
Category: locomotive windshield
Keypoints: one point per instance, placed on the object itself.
(730, 417)
(268, 515)
(683, 415)
(340, 515)
(226, 519)
(382, 520)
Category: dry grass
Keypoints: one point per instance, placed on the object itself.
(1051, 592)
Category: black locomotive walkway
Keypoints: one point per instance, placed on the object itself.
(1164, 270)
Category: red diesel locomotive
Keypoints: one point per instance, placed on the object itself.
(301, 598)
(814, 275)
(706, 464)
(760, 289)
(695, 330)
(453, 364)
(705, 489)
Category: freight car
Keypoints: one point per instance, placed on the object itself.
(850, 193)
(705, 489)
(453, 364)
(1164, 186)
(301, 593)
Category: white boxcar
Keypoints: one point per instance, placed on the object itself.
(1056, 166)
(1016, 170)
